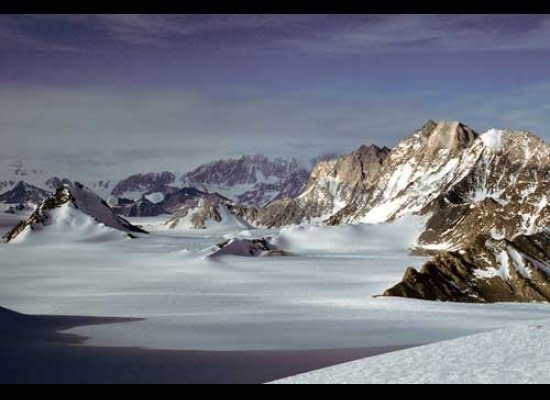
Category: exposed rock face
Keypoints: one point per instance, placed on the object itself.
(331, 185)
(504, 194)
(247, 248)
(488, 270)
(376, 184)
(416, 171)
(79, 198)
(498, 182)
(56, 182)
(180, 203)
(488, 230)
(23, 193)
(135, 186)
(250, 180)
(140, 208)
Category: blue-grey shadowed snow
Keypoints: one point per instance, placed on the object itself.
(32, 350)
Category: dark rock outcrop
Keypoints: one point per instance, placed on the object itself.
(488, 270)
(248, 248)
(144, 183)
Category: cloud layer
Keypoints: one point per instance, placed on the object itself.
(200, 87)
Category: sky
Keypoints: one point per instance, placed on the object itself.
(175, 90)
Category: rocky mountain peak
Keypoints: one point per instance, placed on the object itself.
(250, 179)
(451, 135)
(23, 193)
(143, 183)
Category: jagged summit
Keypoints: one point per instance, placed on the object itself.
(451, 135)
(487, 270)
(75, 212)
(136, 185)
(23, 193)
(465, 184)
(254, 180)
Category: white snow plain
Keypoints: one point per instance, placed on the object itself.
(513, 355)
(322, 298)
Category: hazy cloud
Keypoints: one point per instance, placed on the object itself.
(309, 33)
(164, 90)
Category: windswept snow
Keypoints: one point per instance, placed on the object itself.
(67, 223)
(514, 355)
(313, 300)
(396, 237)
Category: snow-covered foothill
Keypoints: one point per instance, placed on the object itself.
(74, 213)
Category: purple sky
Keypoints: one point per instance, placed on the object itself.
(212, 86)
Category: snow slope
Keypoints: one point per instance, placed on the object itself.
(307, 301)
(73, 213)
(69, 224)
(390, 238)
(514, 355)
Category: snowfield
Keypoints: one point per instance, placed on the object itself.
(312, 300)
(514, 355)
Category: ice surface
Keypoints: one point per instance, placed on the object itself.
(513, 355)
(320, 298)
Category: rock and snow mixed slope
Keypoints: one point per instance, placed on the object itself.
(250, 180)
(186, 208)
(470, 188)
(25, 194)
(206, 211)
(415, 172)
(332, 184)
(442, 166)
(467, 188)
(487, 270)
(76, 213)
(512, 355)
(137, 186)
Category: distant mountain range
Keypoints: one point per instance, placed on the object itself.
(253, 180)
(483, 197)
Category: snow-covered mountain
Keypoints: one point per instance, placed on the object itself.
(136, 186)
(24, 194)
(47, 175)
(206, 211)
(250, 180)
(76, 213)
(332, 184)
(439, 171)
(185, 208)
(470, 188)
(474, 193)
